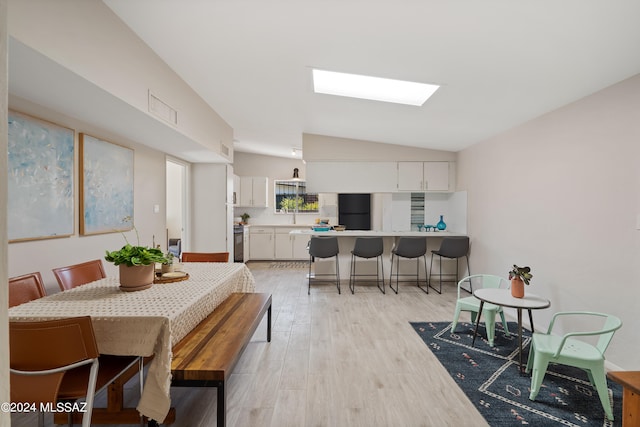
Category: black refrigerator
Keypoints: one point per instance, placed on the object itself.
(354, 211)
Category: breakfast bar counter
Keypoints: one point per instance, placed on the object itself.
(372, 233)
(346, 241)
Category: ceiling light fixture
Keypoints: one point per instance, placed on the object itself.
(372, 88)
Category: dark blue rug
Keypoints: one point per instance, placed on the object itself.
(489, 377)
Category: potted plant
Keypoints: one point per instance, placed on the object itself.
(168, 266)
(245, 216)
(519, 277)
(136, 263)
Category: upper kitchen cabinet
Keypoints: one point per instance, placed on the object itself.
(425, 176)
(254, 191)
(351, 177)
(236, 190)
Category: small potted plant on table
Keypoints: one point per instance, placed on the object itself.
(137, 263)
(519, 277)
(168, 266)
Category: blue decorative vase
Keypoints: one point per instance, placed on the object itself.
(441, 224)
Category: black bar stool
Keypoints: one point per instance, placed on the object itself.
(367, 247)
(323, 247)
(450, 248)
(409, 247)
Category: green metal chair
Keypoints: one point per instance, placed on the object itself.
(472, 304)
(567, 350)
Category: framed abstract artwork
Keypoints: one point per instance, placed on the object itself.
(40, 179)
(106, 186)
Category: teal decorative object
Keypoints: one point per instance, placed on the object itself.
(441, 224)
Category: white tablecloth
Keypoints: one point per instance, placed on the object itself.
(148, 322)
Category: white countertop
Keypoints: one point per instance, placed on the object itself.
(372, 233)
(281, 225)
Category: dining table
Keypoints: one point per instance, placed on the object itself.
(503, 297)
(147, 322)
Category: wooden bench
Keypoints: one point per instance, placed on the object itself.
(630, 381)
(207, 355)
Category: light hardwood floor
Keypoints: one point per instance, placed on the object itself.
(334, 360)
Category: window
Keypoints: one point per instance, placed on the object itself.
(286, 193)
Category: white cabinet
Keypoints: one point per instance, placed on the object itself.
(236, 190)
(261, 243)
(300, 242)
(351, 177)
(283, 245)
(276, 243)
(436, 176)
(379, 177)
(254, 191)
(423, 176)
(260, 191)
(410, 176)
(245, 196)
(289, 246)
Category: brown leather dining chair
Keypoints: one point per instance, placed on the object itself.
(56, 361)
(79, 274)
(25, 288)
(205, 256)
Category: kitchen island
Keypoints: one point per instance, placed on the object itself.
(373, 233)
(346, 241)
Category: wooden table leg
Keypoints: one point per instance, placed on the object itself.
(115, 412)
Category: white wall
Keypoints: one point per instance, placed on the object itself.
(175, 197)
(5, 419)
(87, 38)
(149, 190)
(562, 194)
(211, 226)
(322, 147)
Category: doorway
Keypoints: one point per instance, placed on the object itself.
(176, 206)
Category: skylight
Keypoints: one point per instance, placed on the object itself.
(372, 88)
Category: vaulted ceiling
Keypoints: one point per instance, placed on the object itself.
(499, 63)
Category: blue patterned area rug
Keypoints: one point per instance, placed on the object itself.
(489, 377)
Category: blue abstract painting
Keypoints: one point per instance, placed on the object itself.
(40, 179)
(107, 186)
